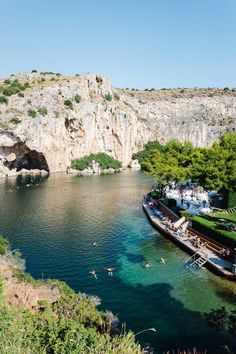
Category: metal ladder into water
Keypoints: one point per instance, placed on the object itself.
(196, 263)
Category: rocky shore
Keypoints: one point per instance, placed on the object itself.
(57, 118)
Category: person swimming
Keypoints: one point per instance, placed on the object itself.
(94, 243)
(110, 271)
(93, 273)
(162, 261)
(147, 265)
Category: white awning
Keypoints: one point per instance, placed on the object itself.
(179, 222)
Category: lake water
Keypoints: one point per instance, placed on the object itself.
(55, 224)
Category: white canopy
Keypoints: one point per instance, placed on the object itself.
(179, 222)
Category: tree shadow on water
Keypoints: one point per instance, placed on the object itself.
(133, 258)
(177, 327)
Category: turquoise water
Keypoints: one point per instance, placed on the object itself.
(54, 225)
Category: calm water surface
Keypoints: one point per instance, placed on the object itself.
(54, 225)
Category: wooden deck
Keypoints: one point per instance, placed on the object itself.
(214, 262)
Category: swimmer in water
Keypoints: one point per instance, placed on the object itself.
(93, 273)
(110, 271)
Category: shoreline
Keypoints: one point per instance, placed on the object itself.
(214, 264)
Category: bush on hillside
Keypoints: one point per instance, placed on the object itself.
(43, 111)
(14, 87)
(68, 104)
(108, 97)
(77, 98)
(15, 120)
(32, 113)
(3, 99)
(3, 245)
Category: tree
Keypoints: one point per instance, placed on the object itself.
(221, 319)
(165, 168)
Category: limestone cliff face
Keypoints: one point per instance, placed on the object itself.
(118, 122)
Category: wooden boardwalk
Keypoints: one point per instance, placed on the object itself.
(214, 261)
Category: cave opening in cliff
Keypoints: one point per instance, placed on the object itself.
(36, 160)
(26, 158)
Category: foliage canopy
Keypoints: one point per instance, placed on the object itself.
(105, 161)
(214, 167)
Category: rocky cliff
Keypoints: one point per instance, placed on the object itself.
(57, 118)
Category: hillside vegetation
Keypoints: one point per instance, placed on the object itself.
(62, 322)
(105, 161)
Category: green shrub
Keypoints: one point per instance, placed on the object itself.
(226, 89)
(77, 98)
(116, 96)
(71, 324)
(32, 113)
(231, 199)
(26, 84)
(34, 71)
(43, 111)
(144, 155)
(7, 82)
(68, 104)
(105, 161)
(20, 94)
(15, 120)
(108, 97)
(3, 245)
(22, 276)
(3, 99)
(14, 87)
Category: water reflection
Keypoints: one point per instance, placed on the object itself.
(54, 223)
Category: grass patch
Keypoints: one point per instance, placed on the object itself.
(211, 226)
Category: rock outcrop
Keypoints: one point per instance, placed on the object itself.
(135, 165)
(62, 118)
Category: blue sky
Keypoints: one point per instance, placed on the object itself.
(135, 43)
